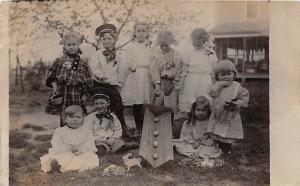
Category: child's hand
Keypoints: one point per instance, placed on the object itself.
(196, 144)
(98, 142)
(157, 92)
(110, 141)
(223, 83)
(83, 99)
(67, 65)
(74, 149)
(231, 106)
(131, 68)
(54, 88)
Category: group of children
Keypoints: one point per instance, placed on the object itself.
(190, 81)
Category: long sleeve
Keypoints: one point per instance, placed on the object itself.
(89, 123)
(215, 89)
(87, 78)
(89, 144)
(57, 143)
(243, 97)
(178, 70)
(95, 66)
(117, 129)
(185, 131)
(121, 70)
(154, 70)
(52, 74)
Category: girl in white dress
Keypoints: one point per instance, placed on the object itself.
(137, 88)
(197, 67)
(73, 146)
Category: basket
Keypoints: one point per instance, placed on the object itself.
(54, 105)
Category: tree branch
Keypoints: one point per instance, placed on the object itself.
(90, 43)
(129, 13)
(101, 12)
(121, 46)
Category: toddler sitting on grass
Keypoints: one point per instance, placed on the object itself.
(73, 146)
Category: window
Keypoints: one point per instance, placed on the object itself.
(249, 54)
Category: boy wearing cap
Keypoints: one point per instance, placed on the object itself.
(109, 71)
(105, 126)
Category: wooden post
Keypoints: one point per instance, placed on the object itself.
(17, 72)
(244, 55)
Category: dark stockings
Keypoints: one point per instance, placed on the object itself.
(225, 147)
(120, 116)
(138, 113)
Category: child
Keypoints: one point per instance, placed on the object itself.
(137, 88)
(228, 97)
(70, 76)
(166, 70)
(73, 146)
(197, 68)
(104, 125)
(108, 71)
(194, 141)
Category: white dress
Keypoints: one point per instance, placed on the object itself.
(199, 76)
(189, 134)
(137, 88)
(63, 140)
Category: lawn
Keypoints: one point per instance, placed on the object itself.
(248, 165)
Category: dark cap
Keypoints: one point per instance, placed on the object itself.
(99, 93)
(106, 28)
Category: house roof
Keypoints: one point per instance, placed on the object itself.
(240, 29)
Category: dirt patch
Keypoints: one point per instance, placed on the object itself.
(33, 127)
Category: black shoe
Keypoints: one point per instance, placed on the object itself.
(55, 167)
(128, 146)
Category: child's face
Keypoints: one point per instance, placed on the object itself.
(107, 40)
(198, 45)
(141, 33)
(101, 105)
(74, 120)
(71, 45)
(165, 47)
(226, 76)
(201, 112)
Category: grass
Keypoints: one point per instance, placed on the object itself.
(25, 167)
(248, 165)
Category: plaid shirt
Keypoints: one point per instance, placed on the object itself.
(72, 84)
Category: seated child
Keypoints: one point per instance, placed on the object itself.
(73, 146)
(105, 126)
(193, 141)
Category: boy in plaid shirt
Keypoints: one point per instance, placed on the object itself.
(70, 76)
